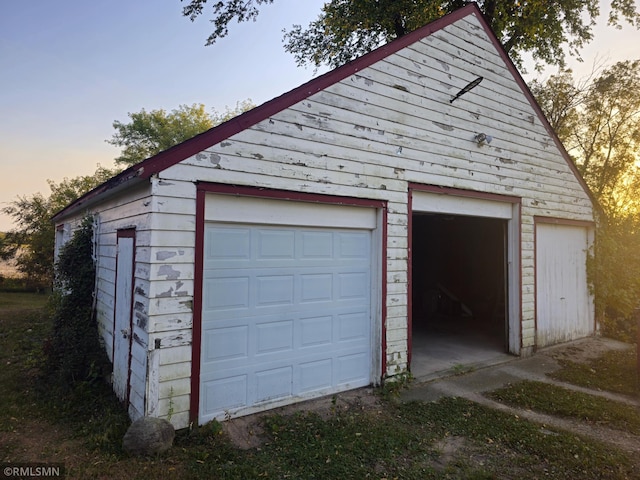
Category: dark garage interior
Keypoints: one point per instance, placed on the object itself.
(459, 304)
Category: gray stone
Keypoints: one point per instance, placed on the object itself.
(148, 436)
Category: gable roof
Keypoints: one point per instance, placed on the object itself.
(167, 158)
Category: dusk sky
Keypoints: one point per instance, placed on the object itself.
(68, 69)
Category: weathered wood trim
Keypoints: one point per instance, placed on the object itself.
(563, 221)
(196, 344)
(285, 195)
(458, 192)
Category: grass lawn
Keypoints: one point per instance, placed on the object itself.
(452, 438)
(555, 400)
(615, 371)
(19, 302)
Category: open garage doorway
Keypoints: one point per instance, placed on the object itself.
(459, 293)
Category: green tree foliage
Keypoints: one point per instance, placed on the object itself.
(598, 120)
(151, 132)
(346, 29)
(31, 243)
(73, 351)
(615, 271)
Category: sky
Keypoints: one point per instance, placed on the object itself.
(69, 69)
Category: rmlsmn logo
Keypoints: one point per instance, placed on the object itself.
(32, 470)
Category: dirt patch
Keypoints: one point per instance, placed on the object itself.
(448, 449)
(246, 432)
(583, 351)
(38, 441)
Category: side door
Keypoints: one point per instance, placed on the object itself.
(122, 325)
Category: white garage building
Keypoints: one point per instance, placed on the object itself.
(305, 247)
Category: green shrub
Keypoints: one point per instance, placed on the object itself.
(73, 351)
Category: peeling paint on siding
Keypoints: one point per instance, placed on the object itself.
(162, 256)
(166, 294)
(139, 341)
(444, 66)
(188, 304)
(367, 81)
(169, 272)
(213, 158)
(141, 320)
(443, 126)
(415, 75)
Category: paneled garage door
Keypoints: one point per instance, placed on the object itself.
(286, 315)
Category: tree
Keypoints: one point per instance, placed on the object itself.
(346, 29)
(149, 133)
(598, 121)
(32, 242)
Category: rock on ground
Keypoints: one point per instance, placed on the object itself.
(148, 436)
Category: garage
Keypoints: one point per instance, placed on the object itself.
(564, 311)
(460, 281)
(287, 305)
(411, 211)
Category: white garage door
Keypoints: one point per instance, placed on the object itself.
(564, 306)
(286, 315)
